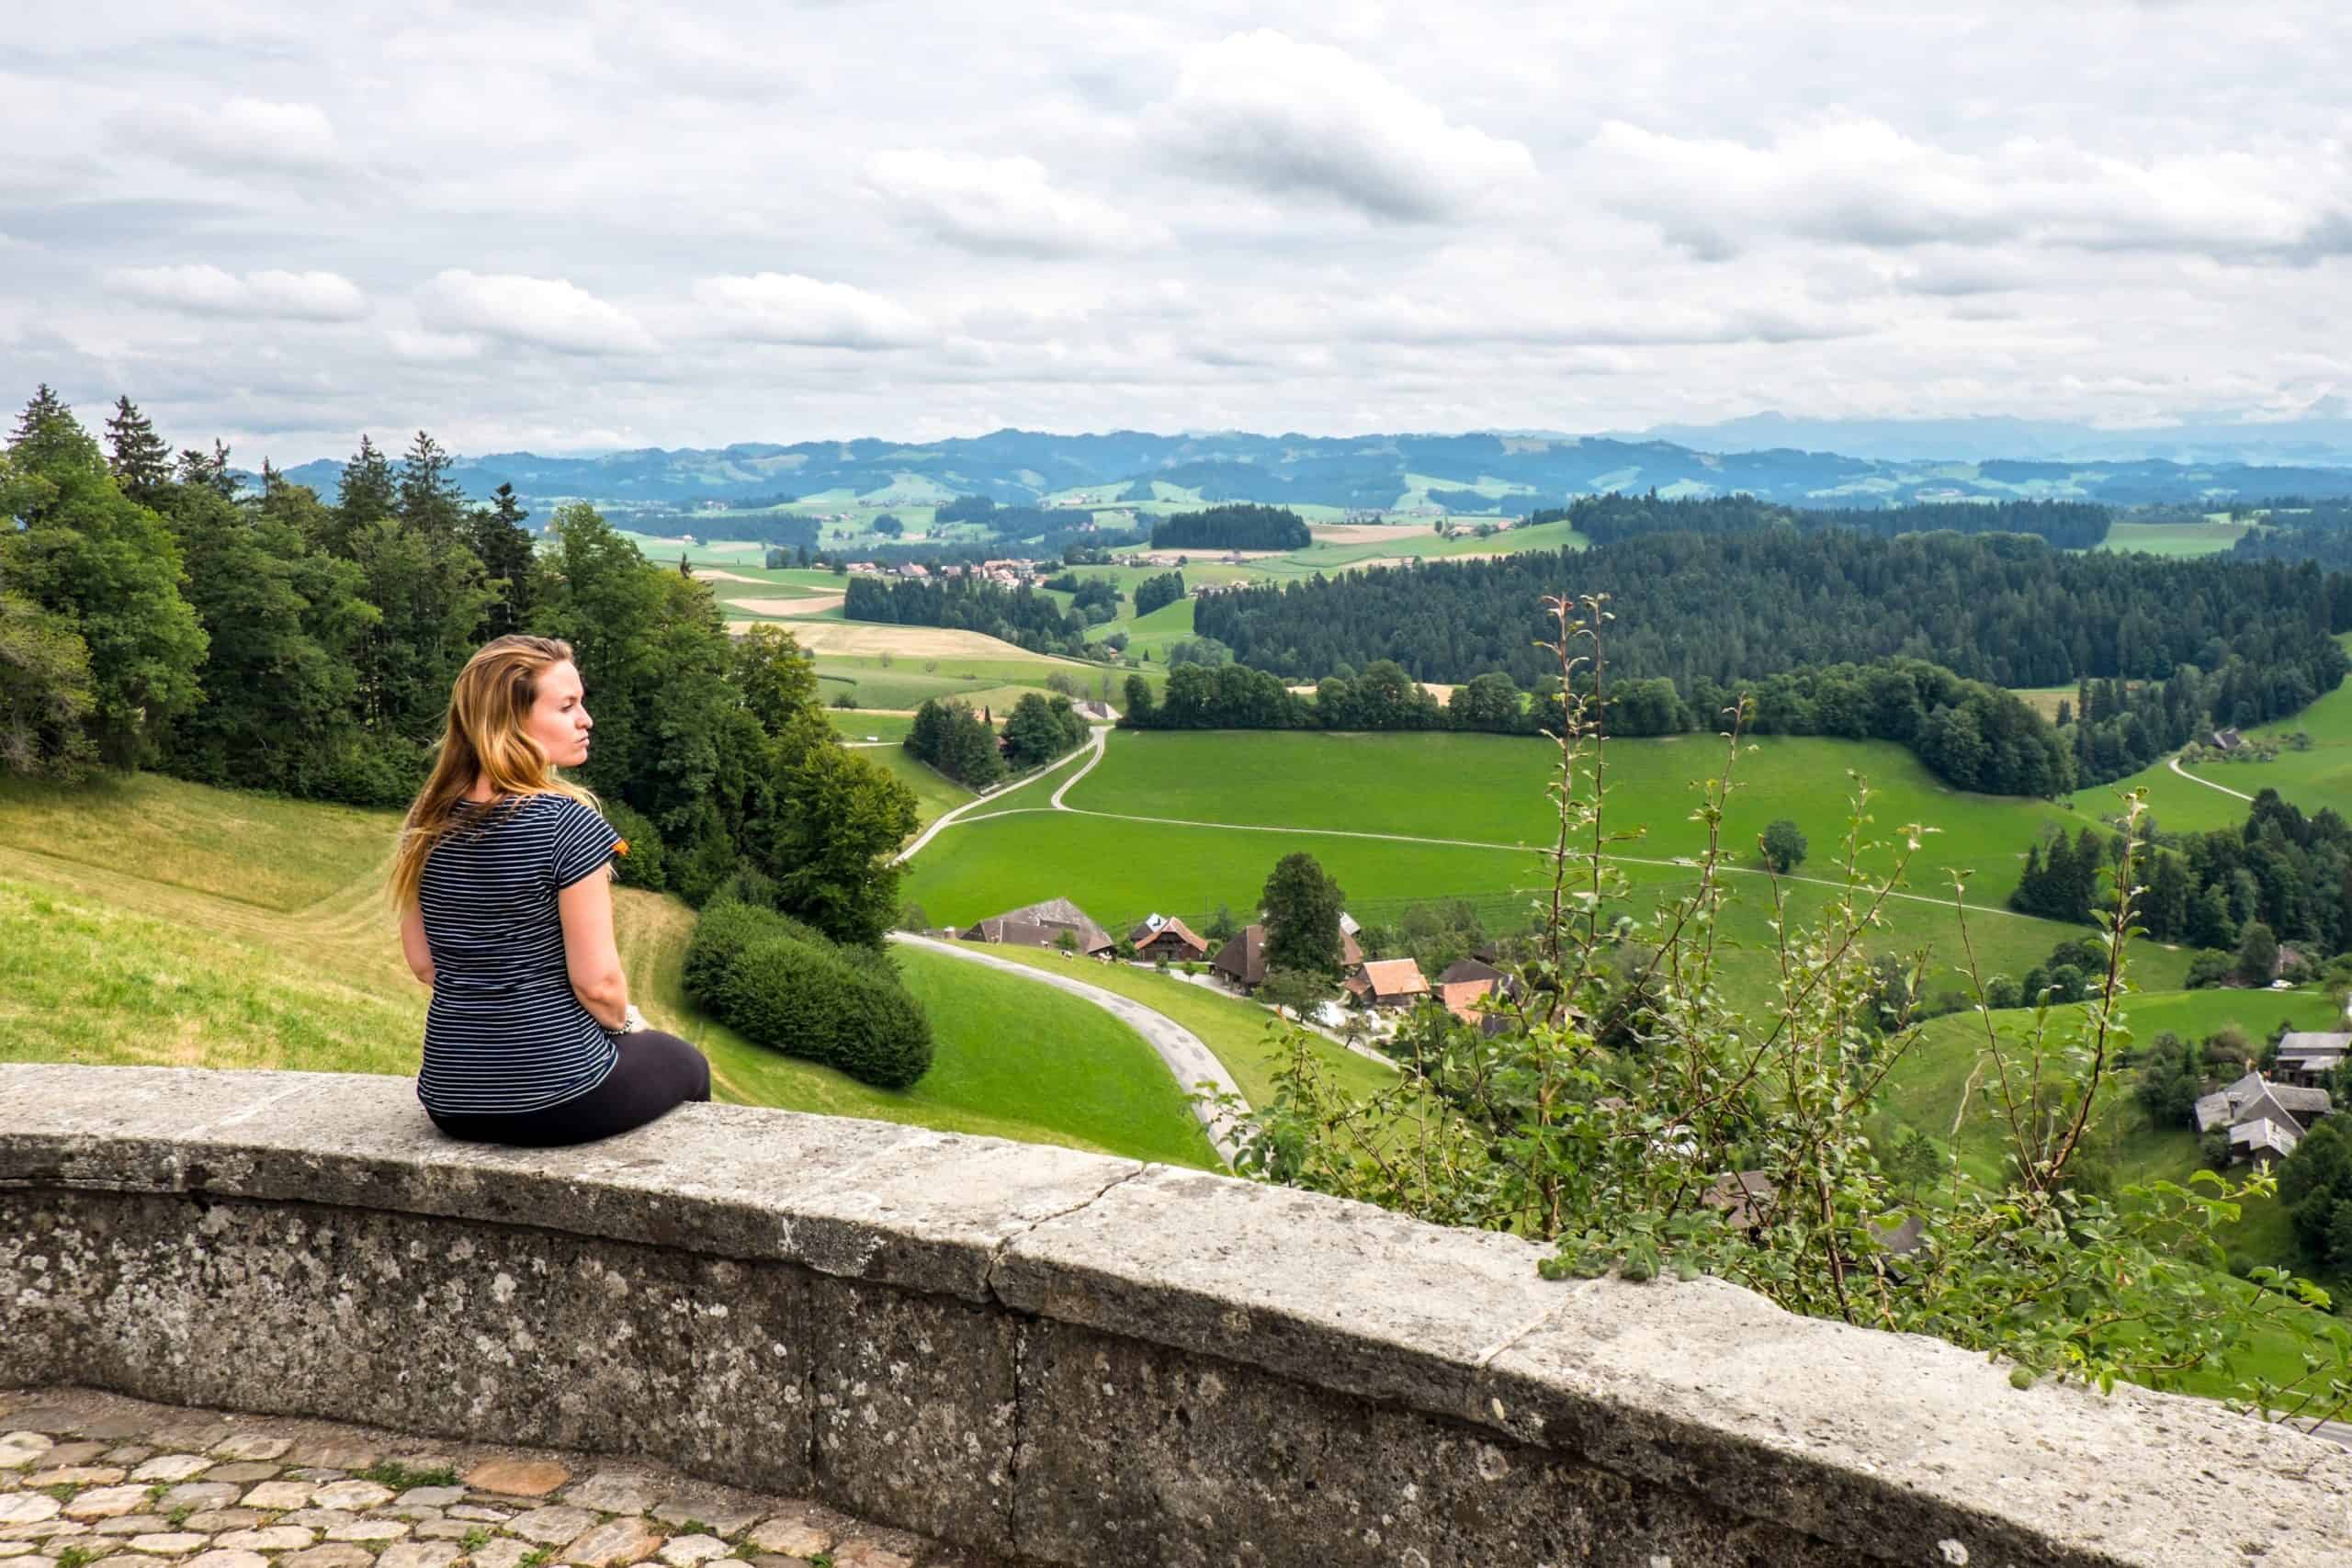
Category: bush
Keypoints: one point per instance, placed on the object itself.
(2210, 969)
(1784, 846)
(784, 985)
(642, 866)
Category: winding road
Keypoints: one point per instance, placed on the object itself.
(2173, 763)
(1186, 1055)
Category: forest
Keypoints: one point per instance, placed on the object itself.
(1716, 613)
(155, 613)
(1035, 621)
(1608, 518)
(1238, 527)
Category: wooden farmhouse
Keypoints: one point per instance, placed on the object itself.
(1389, 984)
(1164, 939)
(1241, 962)
(1045, 925)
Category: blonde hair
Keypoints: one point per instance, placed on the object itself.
(486, 738)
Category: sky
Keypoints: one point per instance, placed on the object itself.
(580, 227)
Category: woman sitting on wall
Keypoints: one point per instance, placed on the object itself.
(503, 885)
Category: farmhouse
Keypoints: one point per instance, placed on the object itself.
(1045, 925)
(2266, 1120)
(2305, 1058)
(1387, 983)
(2227, 740)
(1241, 962)
(1164, 939)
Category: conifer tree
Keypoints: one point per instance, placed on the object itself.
(429, 501)
(140, 459)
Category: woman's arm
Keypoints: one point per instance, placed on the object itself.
(412, 943)
(589, 953)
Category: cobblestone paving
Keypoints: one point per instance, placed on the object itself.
(92, 1480)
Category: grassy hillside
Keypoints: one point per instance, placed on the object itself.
(1179, 823)
(2315, 779)
(153, 921)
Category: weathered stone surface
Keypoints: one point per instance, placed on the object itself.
(77, 1475)
(170, 1543)
(517, 1478)
(132, 1524)
(859, 1554)
(212, 1520)
(280, 1495)
(105, 1502)
(16, 1548)
(338, 1555)
(367, 1530)
(242, 1472)
(200, 1494)
(129, 1560)
(253, 1446)
(431, 1497)
(43, 1529)
(333, 1453)
(552, 1525)
(28, 1507)
(615, 1492)
(790, 1535)
(21, 1449)
(728, 1518)
(270, 1537)
(76, 1453)
(685, 1550)
(620, 1540)
(317, 1518)
(504, 1553)
(476, 1511)
(127, 1454)
(352, 1495)
(172, 1467)
(228, 1559)
(418, 1555)
(444, 1529)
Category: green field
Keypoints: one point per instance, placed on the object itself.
(935, 792)
(1180, 823)
(2315, 780)
(2207, 538)
(855, 725)
(154, 921)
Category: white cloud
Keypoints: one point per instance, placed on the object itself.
(1863, 182)
(547, 312)
(243, 132)
(786, 307)
(1306, 120)
(1002, 206)
(253, 296)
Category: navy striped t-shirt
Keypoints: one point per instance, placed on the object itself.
(505, 1032)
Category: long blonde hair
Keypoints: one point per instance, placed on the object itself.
(485, 737)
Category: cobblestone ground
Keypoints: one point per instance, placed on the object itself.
(92, 1480)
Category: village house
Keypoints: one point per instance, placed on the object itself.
(1241, 962)
(2306, 1059)
(1045, 925)
(1388, 984)
(2266, 1120)
(1164, 939)
(913, 568)
(2227, 740)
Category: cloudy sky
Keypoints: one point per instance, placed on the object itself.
(577, 226)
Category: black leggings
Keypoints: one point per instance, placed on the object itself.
(656, 1072)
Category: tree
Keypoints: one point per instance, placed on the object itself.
(887, 526)
(105, 569)
(140, 459)
(1784, 846)
(1296, 991)
(777, 680)
(45, 695)
(208, 470)
(840, 820)
(1041, 728)
(1153, 592)
(1223, 927)
(2258, 954)
(1302, 905)
(428, 500)
(509, 562)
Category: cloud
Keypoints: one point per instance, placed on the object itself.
(1293, 119)
(252, 296)
(546, 313)
(999, 206)
(240, 133)
(786, 307)
(1862, 182)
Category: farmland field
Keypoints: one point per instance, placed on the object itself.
(2318, 778)
(2207, 538)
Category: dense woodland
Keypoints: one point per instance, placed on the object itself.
(1034, 620)
(1609, 518)
(1237, 527)
(155, 612)
(2207, 641)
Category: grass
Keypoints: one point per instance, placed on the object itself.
(856, 725)
(125, 958)
(935, 793)
(906, 681)
(2206, 539)
(2314, 779)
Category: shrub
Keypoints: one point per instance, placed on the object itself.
(787, 986)
(2210, 969)
(642, 866)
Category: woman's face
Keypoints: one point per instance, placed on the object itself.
(558, 720)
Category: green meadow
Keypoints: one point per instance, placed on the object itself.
(2211, 536)
(2316, 779)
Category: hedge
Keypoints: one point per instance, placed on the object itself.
(786, 986)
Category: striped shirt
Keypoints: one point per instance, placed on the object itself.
(505, 1033)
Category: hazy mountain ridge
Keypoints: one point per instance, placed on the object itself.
(1512, 473)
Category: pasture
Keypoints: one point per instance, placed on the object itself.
(2318, 778)
(2211, 536)
(160, 922)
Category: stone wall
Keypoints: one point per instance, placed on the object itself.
(1053, 1357)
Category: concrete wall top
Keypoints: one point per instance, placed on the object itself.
(1897, 1446)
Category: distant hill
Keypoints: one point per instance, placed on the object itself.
(1471, 473)
(2316, 442)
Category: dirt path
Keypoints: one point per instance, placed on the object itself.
(1188, 1058)
(2174, 766)
(932, 831)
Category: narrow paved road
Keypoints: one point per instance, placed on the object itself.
(994, 795)
(1187, 1057)
(2174, 766)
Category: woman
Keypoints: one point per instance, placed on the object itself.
(504, 886)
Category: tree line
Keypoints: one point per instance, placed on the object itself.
(1022, 615)
(1239, 527)
(1609, 518)
(155, 612)
(948, 736)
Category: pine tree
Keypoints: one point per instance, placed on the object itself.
(509, 558)
(208, 470)
(140, 459)
(363, 498)
(429, 501)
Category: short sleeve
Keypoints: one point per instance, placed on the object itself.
(585, 841)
